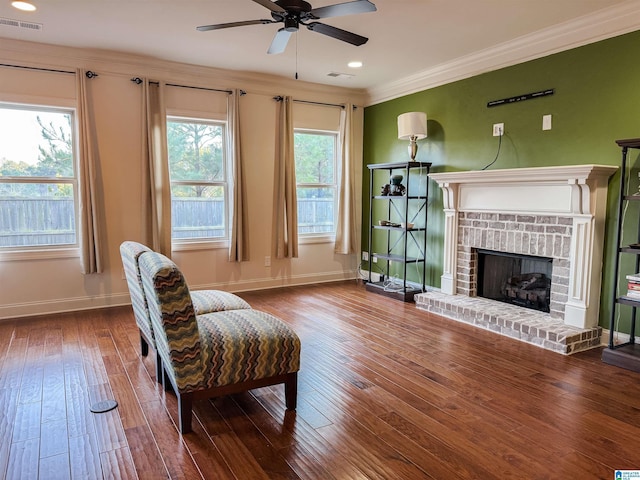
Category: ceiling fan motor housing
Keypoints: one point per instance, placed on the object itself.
(295, 6)
(296, 10)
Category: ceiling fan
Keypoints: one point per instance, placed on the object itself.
(293, 13)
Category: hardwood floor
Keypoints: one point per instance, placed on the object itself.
(385, 391)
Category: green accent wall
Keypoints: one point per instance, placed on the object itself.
(596, 101)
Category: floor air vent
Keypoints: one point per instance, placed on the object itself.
(20, 24)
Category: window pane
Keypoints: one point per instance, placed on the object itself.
(315, 154)
(35, 143)
(36, 214)
(197, 212)
(315, 210)
(196, 151)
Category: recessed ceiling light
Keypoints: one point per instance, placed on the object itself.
(24, 6)
(354, 64)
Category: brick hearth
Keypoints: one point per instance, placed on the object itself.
(523, 324)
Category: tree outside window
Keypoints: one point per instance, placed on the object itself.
(197, 168)
(315, 159)
(37, 177)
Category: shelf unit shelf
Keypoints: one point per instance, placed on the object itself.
(627, 354)
(397, 237)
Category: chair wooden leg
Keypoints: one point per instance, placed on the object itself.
(291, 391)
(159, 369)
(185, 406)
(166, 381)
(144, 346)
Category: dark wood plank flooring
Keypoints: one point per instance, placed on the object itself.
(385, 392)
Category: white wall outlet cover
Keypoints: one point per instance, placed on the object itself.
(546, 122)
(498, 129)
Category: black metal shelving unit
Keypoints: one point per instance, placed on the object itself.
(627, 354)
(398, 237)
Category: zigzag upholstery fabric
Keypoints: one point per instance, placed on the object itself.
(214, 349)
(207, 301)
(242, 345)
(130, 251)
(174, 320)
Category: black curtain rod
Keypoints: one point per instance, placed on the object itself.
(279, 98)
(138, 81)
(88, 73)
(36, 68)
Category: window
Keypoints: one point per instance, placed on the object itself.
(315, 157)
(197, 169)
(38, 184)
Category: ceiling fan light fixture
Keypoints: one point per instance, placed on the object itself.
(291, 24)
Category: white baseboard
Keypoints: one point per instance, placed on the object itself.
(619, 338)
(19, 310)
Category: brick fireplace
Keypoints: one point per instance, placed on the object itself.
(554, 212)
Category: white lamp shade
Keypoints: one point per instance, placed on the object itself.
(412, 124)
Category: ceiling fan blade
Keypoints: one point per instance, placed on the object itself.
(279, 42)
(337, 33)
(274, 7)
(341, 9)
(205, 28)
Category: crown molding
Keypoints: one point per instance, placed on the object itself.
(108, 62)
(607, 23)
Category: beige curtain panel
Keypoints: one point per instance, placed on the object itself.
(88, 172)
(157, 189)
(285, 203)
(347, 238)
(239, 244)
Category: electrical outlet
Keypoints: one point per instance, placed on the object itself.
(498, 129)
(374, 259)
(546, 122)
(267, 261)
(365, 256)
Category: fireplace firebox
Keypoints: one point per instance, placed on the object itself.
(521, 280)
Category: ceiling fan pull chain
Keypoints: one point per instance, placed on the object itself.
(296, 56)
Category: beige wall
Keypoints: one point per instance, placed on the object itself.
(37, 283)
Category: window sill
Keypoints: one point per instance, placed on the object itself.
(311, 239)
(39, 254)
(199, 245)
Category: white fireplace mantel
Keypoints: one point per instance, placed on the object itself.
(575, 191)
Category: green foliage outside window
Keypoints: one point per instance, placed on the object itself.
(315, 159)
(37, 177)
(196, 150)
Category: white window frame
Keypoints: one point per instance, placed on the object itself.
(67, 250)
(308, 238)
(184, 244)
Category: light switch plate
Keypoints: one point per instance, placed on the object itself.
(546, 122)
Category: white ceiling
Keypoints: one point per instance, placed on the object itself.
(406, 37)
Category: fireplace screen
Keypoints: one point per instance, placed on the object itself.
(518, 279)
